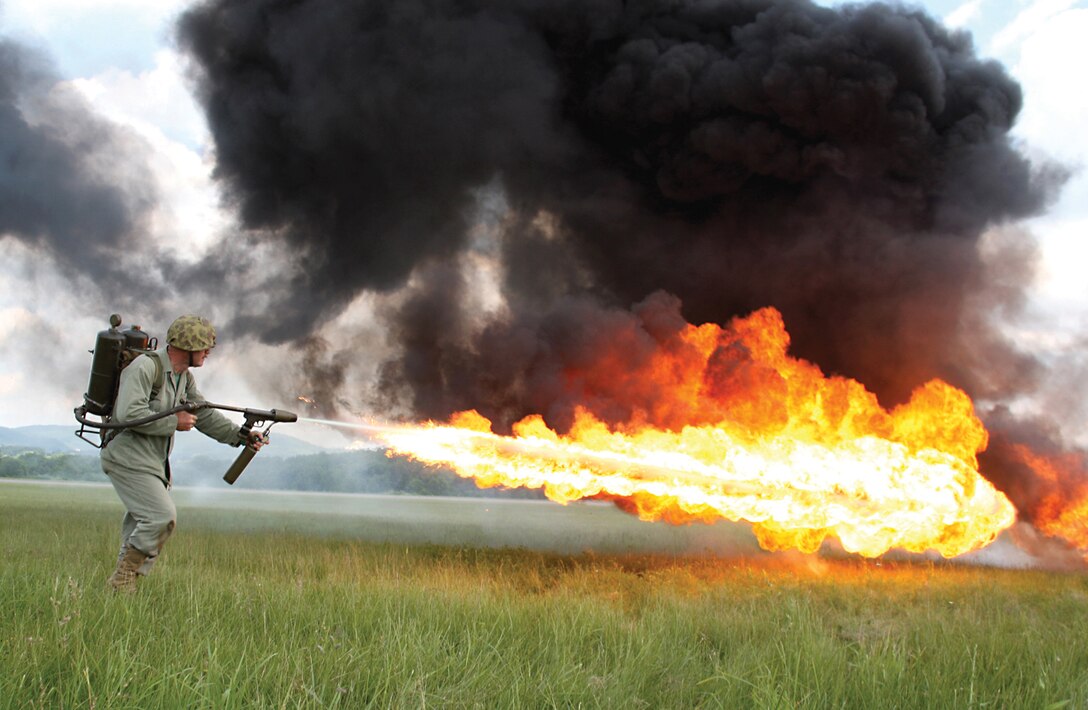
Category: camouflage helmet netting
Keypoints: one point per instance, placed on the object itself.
(191, 333)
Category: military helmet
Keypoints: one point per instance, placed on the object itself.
(191, 333)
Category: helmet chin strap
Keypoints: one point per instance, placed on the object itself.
(185, 351)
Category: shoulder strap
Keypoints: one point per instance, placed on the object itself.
(156, 387)
(156, 384)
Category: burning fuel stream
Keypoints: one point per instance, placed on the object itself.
(769, 440)
(952, 511)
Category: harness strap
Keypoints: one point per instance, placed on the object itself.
(156, 387)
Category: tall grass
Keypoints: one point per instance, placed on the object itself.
(267, 618)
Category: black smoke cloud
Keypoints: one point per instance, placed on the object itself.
(71, 184)
(840, 165)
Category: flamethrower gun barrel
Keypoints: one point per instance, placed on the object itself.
(258, 416)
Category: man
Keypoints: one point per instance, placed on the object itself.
(137, 459)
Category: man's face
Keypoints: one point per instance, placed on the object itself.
(199, 356)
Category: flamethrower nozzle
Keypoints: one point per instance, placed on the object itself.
(282, 415)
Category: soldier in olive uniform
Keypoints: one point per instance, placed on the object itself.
(137, 459)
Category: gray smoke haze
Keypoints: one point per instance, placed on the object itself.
(698, 159)
(71, 185)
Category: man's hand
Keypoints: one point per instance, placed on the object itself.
(257, 440)
(186, 420)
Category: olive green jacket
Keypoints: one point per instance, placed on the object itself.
(147, 447)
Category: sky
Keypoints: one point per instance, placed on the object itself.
(119, 57)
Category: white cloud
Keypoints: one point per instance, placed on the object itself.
(87, 36)
(155, 102)
(1027, 23)
(157, 105)
(964, 14)
(1051, 70)
(46, 16)
(1062, 284)
(1052, 60)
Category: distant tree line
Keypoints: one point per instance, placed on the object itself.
(18, 462)
(333, 472)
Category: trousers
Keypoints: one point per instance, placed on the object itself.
(150, 515)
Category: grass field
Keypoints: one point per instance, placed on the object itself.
(348, 601)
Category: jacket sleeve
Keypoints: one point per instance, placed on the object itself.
(133, 399)
(211, 421)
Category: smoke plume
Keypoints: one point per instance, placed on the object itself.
(699, 159)
(840, 165)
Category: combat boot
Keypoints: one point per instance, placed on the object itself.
(123, 578)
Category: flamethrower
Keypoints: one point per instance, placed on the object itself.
(254, 418)
(114, 350)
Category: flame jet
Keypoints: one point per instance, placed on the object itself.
(819, 459)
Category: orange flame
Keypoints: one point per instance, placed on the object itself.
(737, 429)
(1062, 509)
